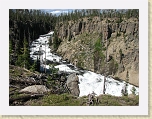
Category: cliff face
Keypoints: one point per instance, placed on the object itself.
(107, 46)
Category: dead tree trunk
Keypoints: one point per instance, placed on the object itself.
(25, 97)
(104, 88)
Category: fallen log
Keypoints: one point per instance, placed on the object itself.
(25, 97)
(25, 82)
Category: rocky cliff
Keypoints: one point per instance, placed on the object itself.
(106, 46)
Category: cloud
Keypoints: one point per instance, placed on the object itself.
(59, 11)
(56, 11)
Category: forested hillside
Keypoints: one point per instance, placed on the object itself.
(24, 27)
(53, 59)
(105, 43)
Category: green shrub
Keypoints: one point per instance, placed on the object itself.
(98, 45)
(133, 90)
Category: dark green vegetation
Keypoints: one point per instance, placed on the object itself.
(99, 57)
(56, 40)
(26, 25)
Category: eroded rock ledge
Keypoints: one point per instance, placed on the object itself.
(119, 56)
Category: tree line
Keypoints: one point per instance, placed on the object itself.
(102, 13)
(25, 25)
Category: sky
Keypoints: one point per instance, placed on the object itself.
(57, 11)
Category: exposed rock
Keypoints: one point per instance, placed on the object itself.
(38, 89)
(72, 84)
(130, 28)
(122, 36)
(121, 68)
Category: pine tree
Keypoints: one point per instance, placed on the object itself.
(57, 41)
(10, 46)
(24, 58)
(10, 52)
(26, 54)
(19, 61)
(34, 66)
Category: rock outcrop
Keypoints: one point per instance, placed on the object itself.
(72, 84)
(36, 89)
(91, 25)
(119, 49)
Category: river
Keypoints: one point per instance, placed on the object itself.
(89, 81)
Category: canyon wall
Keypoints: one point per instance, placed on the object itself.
(108, 46)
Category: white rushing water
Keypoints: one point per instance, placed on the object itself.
(89, 81)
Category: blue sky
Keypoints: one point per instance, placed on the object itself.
(57, 11)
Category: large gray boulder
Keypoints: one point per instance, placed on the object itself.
(72, 84)
(38, 89)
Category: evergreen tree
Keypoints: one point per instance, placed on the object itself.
(19, 61)
(29, 24)
(24, 58)
(10, 52)
(10, 47)
(33, 67)
(36, 65)
(57, 41)
(26, 54)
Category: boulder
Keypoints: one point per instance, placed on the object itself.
(72, 84)
(38, 89)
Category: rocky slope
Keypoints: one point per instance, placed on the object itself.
(107, 46)
(28, 88)
(25, 85)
